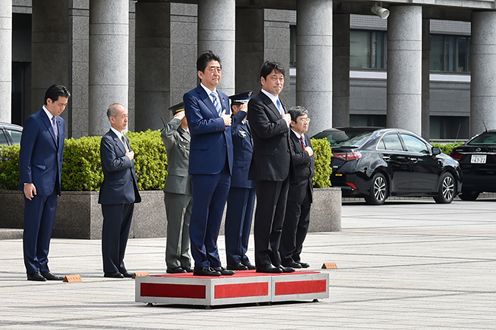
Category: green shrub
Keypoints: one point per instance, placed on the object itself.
(322, 152)
(447, 148)
(9, 167)
(82, 169)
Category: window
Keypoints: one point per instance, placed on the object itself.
(413, 144)
(3, 138)
(292, 46)
(391, 142)
(15, 136)
(368, 49)
(449, 53)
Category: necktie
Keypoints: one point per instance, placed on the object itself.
(123, 138)
(216, 103)
(54, 127)
(302, 143)
(279, 107)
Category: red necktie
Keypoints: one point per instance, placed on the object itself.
(302, 143)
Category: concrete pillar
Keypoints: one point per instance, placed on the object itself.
(109, 59)
(50, 49)
(404, 77)
(249, 48)
(216, 32)
(314, 61)
(152, 64)
(341, 71)
(483, 69)
(6, 60)
(426, 70)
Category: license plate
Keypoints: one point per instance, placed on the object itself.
(478, 159)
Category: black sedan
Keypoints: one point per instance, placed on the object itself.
(385, 162)
(477, 158)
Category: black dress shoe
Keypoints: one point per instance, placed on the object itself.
(224, 271)
(50, 277)
(206, 271)
(113, 275)
(187, 269)
(128, 275)
(238, 266)
(303, 264)
(286, 269)
(249, 265)
(292, 264)
(269, 269)
(176, 270)
(36, 277)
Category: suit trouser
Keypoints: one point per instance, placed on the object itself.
(178, 209)
(239, 214)
(296, 224)
(209, 199)
(39, 217)
(269, 219)
(115, 232)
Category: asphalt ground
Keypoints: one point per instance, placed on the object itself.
(407, 264)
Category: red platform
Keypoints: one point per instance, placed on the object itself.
(243, 287)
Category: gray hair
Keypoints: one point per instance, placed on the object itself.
(112, 109)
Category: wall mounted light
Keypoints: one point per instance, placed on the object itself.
(380, 11)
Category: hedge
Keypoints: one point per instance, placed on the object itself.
(82, 169)
(447, 148)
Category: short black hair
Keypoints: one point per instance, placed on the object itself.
(53, 92)
(203, 59)
(270, 66)
(296, 112)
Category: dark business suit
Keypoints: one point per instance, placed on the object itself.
(270, 169)
(241, 200)
(177, 194)
(118, 193)
(210, 166)
(299, 200)
(40, 162)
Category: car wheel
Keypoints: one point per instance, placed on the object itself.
(378, 191)
(469, 195)
(447, 188)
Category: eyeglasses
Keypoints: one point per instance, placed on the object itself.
(305, 120)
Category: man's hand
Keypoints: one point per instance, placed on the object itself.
(29, 190)
(130, 155)
(180, 115)
(227, 119)
(309, 151)
(287, 118)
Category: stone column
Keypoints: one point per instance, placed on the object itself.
(6, 60)
(249, 48)
(314, 61)
(152, 63)
(341, 71)
(483, 69)
(216, 32)
(50, 49)
(109, 59)
(404, 77)
(426, 70)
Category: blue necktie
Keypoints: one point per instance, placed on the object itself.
(279, 107)
(216, 103)
(54, 127)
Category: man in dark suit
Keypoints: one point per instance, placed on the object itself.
(241, 200)
(297, 217)
(40, 160)
(210, 163)
(270, 166)
(177, 192)
(118, 193)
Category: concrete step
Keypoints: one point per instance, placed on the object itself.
(8, 233)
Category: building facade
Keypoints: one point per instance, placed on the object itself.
(429, 67)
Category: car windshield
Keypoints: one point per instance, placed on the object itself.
(484, 138)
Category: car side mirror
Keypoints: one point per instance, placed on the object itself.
(436, 151)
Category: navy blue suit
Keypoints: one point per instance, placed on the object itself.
(118, 193)
(210, 166)
(241, 200)
(41, 164)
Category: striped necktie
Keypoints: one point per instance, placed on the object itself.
(216, 103)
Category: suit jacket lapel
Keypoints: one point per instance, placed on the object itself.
(117, 141)
(48, 125)
(207, 100)
(268, 102)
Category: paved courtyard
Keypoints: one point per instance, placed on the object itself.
(408, 264)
